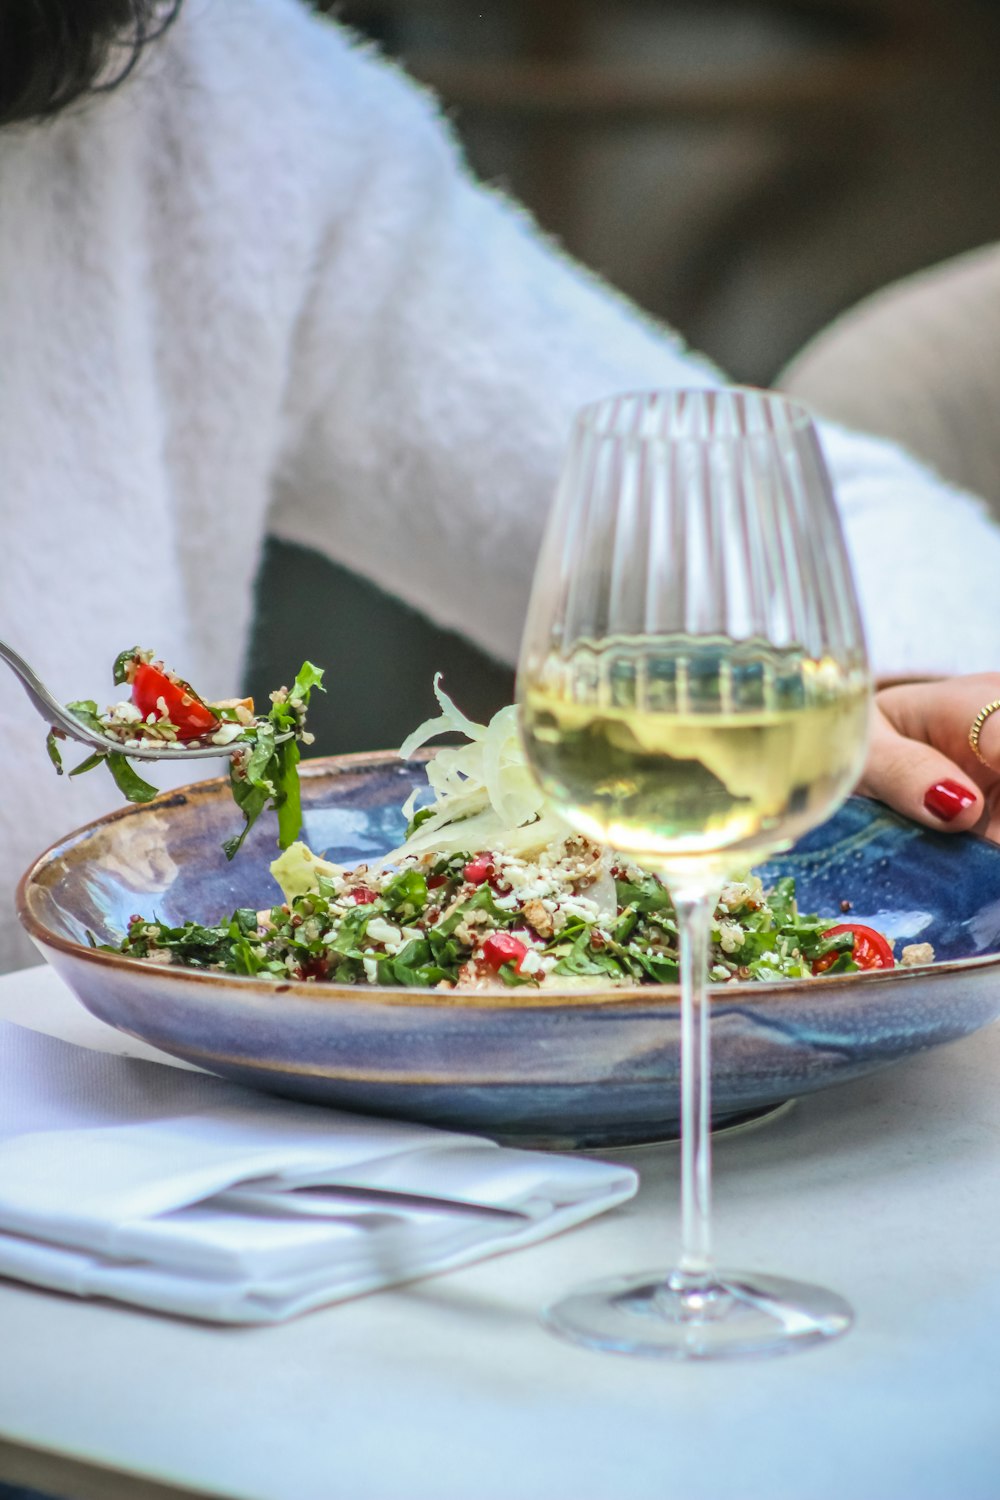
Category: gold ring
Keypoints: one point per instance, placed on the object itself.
(976, 729)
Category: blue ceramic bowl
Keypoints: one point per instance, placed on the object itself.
(587, 1068)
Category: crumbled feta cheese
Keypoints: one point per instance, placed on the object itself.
(226, 733)
(582, 907)
(381, 931)
(731, 936)
(125, 713)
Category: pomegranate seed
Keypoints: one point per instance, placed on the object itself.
(316, 966)
(433, 881)
(479, 870)
(363, 896)
(500, 948)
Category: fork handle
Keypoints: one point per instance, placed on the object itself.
(41, 699)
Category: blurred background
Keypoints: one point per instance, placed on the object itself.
(744, 169)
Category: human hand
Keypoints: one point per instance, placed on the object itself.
(921, 763)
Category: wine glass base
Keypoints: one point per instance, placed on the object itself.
(735, 1315)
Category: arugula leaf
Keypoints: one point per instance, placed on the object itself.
(97, 759)
(446, 951)
(583, 959)
(418, 817)
(127, 779)
(481, 901)
(85, 709)
(660, 967)
(123, 661)
(250, 784)
(841, 943)
(308, 677)
(781, 900)
(269, 776)
(413, 965)
(406, 893)
(288, 796)
(648, 896)
(52, 746)
(510, 976)
(347, 938)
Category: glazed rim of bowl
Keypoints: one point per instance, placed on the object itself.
(321, 992)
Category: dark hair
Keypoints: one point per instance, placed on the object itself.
(54, 51)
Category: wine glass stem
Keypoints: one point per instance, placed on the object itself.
(694, 909)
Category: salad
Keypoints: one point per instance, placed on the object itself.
(491, 887)
(165, 712)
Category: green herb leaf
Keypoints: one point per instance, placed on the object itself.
(648, 896)
(288, 796)
(583, 959)
(781, 901)
(123, 661)
(52, 746)
(270, 776)
(406, 893)
(92, 761)
(510, 976)
(127, 779)
(85, 709)
(418, 817)
(307, 678)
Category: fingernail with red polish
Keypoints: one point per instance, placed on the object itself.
(947, 799)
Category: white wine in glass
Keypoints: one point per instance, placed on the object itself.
(694, 692)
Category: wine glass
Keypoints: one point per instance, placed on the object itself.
(694, 692)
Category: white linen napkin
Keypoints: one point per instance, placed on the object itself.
(181, 1192)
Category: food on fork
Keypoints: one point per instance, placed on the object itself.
(164, 711)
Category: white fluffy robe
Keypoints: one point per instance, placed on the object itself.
(254, 288)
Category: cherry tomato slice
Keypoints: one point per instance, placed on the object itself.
(191, 717)
(871, 949)
(500, 948)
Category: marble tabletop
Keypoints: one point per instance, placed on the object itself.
(886, 1189)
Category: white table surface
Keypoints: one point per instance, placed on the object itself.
(887, 1190)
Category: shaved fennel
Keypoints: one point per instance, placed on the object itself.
(484, 795)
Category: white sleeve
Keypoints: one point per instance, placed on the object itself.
(926, 559)
(441, 355)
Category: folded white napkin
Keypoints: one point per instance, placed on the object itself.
(182, 1192)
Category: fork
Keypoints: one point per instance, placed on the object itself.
(61, 720)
